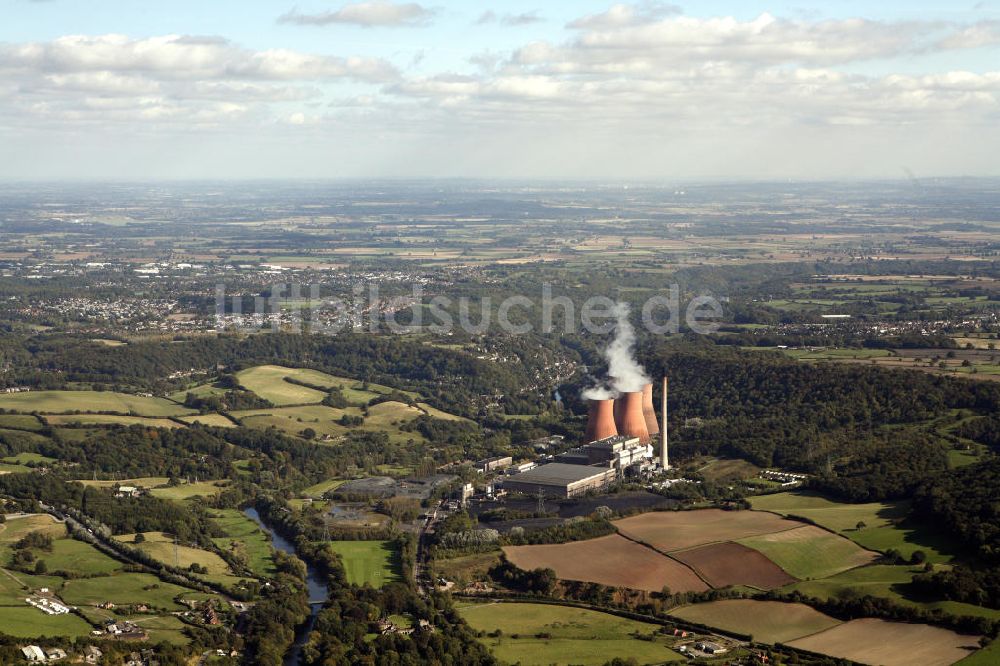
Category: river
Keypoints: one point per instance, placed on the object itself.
(314, 584)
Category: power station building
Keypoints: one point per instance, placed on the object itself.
(619, 442)
(561, 480)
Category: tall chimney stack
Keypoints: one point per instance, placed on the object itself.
(649, 411)
(600, 420)
(664, 457)
(628, 413)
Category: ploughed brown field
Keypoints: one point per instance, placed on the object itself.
(678, 530)
(610, 560)
(723, 564)
(871, 641)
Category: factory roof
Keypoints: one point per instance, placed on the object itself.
(559, 474)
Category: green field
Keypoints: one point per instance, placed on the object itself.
(879, 580)
(110, 419)
(268, 381)
(23, 621)
(161, 547)
(810, 552)
(139, 482)
(20, 422)
(61, 402)
(123, 589)
(768, 621)
(576, 635)
(185, 491)
(217, 420)
(245, 538)
(25, 458)
(368, 562)
(888, 581)
(79, 557)
(885, 526)
(163, 628)
(318, 489)
(386, 417)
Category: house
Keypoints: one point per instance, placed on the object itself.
(33, 653)
(92, 655)
(55, 654)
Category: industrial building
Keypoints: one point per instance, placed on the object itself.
(493, 464)
(561, 480)
(630, 416)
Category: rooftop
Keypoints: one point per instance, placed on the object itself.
(559, 473)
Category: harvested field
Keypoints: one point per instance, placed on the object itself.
(610, 560)
(877, 642)
(725, 564)
(768, 621)
(811, 552)
(678, 530)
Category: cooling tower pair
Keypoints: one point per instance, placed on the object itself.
(632, 415)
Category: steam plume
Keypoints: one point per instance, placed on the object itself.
(624, 372)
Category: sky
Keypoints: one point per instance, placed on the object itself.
(647, 91)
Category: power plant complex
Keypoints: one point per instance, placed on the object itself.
(620, 437)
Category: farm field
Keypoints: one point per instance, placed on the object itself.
(729, 563)
(17, 527)
(161, 547)
(163, 628)
(76, 556)
(23, 621)
(25, 458)
(872, 641)
(110, 419)
(138, 482)
(245, 538)
(577, 635)
(368, 562)
(268, 381)
(217, 420)
(185, 491)
(123, 589)
(767, 621)
(385, 417)
(60, 402)
(883, 522)
(609, 560)
(20, 422)
(677, 530)
(810, 552)
(318, 489)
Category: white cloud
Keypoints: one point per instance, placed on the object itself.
(509, 20)
(182, 57)
(377, 13)
(633, 88)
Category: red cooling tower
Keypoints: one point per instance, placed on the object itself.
(600, 420)
(628, 413)
(648, 411)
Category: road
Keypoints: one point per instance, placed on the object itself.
(421, 576)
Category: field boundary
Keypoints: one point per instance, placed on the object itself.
(668, 556)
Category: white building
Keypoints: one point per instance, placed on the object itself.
(33, 653)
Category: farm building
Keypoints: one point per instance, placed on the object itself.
(561, 480)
